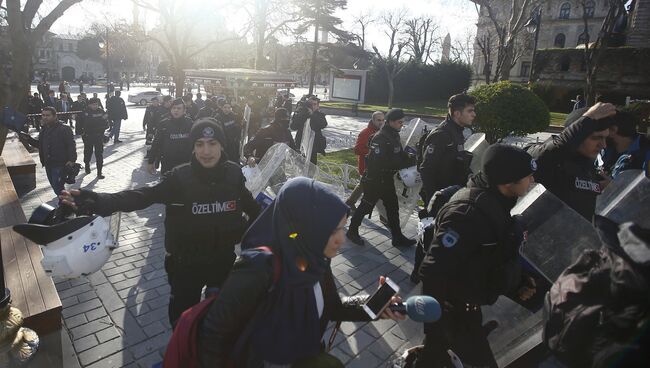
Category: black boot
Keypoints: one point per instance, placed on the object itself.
(402, 241)
(354, 237)
(99, 170)
(87, 166)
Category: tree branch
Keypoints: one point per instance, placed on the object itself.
(46, 23)
(29, 11)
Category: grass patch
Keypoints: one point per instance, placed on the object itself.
(437, 108)
(557, 118)
(345, 156)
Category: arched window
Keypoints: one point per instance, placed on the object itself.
(590, 6)
(560, 40)
(582, 38)
(565, 11)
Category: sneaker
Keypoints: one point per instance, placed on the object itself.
(403, 241)
(87, 167)
(100, 176)
(355, 238)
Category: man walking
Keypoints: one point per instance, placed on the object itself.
(317, 122)
(93, 137)
(56, 147)
(171, 146)
(361, 149)
(64, 106)
(116, 113)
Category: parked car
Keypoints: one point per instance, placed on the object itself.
(144, 98)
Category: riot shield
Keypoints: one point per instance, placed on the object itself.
(411, 132)
(307, 142)
(626, 198)
(557, 235)
(476, 144)
(244, 132)
(407, 200)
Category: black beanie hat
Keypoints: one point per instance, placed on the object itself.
(207, 128)
(394, 115)
(281, 114)
(505, 164)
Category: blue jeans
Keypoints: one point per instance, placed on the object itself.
(115, 133)
(55, 179)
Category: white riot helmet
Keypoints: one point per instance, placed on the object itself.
(410, 176)
(72, 247)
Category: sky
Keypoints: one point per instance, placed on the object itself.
(457, 17)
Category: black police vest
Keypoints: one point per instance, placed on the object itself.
(176, 145)
(94, 123)
(205, 221)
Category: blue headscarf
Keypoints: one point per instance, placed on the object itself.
(297, 226)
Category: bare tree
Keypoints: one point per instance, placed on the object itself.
(361, 23)
(595, 51)
(421, 34)
(485, 44)
(180, 37)
(506, 28)
(267, 18)
(392, 62)
(25, 28)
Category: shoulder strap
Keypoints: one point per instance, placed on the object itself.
(277, 266)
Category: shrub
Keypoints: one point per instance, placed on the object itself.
(504, 109)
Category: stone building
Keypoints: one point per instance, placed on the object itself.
(56, 58)
(562, 26)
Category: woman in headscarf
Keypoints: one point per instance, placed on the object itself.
(262, 320)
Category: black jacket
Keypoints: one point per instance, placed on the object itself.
(572, 177)
(207, 112)
(95, 123)
(203, 219)
(231, 124)
(171, 145)
(386, 156)
(473, 257)
(55, 145)
(116, 108)
(276, 132)
(317, 122)
(444, 161)
(247, 288)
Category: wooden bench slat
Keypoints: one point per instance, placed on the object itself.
(12, 271)
(27, 275)
(45, 283)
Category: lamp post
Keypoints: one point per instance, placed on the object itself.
(104, 43)
(532, 26)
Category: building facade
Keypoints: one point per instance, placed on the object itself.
(562, 26)
(56, 58)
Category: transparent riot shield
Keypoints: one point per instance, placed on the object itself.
(244, 132)
(626, 198)
(407, 200)
(411, 132)
(557, 235)
(476, 144)
(307, 142)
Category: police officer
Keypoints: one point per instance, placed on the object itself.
(566, 162)
(473, 258)
(172, 145)
(95, 123)
(231, 124)
(209, 109)
(205, 201)
(148, 121)
(444, 160)
(385, 158)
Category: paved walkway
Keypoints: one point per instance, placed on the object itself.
(117, 317)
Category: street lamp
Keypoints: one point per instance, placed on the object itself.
(532, 26)
(104, 43)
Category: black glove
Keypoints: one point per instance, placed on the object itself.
(86, 202)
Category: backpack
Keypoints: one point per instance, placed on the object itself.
(182, 348)
(597, 313)
(420, 146)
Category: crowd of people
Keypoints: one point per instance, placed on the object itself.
(273, 303)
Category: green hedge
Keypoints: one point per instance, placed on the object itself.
(505, 108)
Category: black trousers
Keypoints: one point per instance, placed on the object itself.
(372, 192)
(96, 144)
(461, 331)
(187, 281)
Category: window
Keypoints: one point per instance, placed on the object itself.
(560, 40)
(590, 6)
(525, 69)
(584, 36)
(565, 11)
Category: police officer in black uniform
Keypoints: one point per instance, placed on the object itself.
(474, 258)
(148, 121)
(385, 158)
(567, 161)
(444, 159)
(205, 200)
(95, 123)
(172, 145)
(231, 124)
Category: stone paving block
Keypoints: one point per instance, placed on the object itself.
(75, 321)
(343, 357)
(91, 328)
(96, 313)
(109, 297)
(150, 359)
(97, 278)
(101, 351)
(382, 350)
(81, 308)
(379, 327)
(354, 344)
(69, 301)
(85, 343)
(75, 290)
(150, 345)
(154, 315)
(128, 326)
(87, 296)
(364, 360)
(123, 359)
(154, 329)
(107, 334)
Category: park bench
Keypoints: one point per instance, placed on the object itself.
(21, 166)
(32, 291)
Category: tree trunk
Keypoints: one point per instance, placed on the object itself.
(313, 60)
(507, 61)
(391, 91)
(179, 81)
